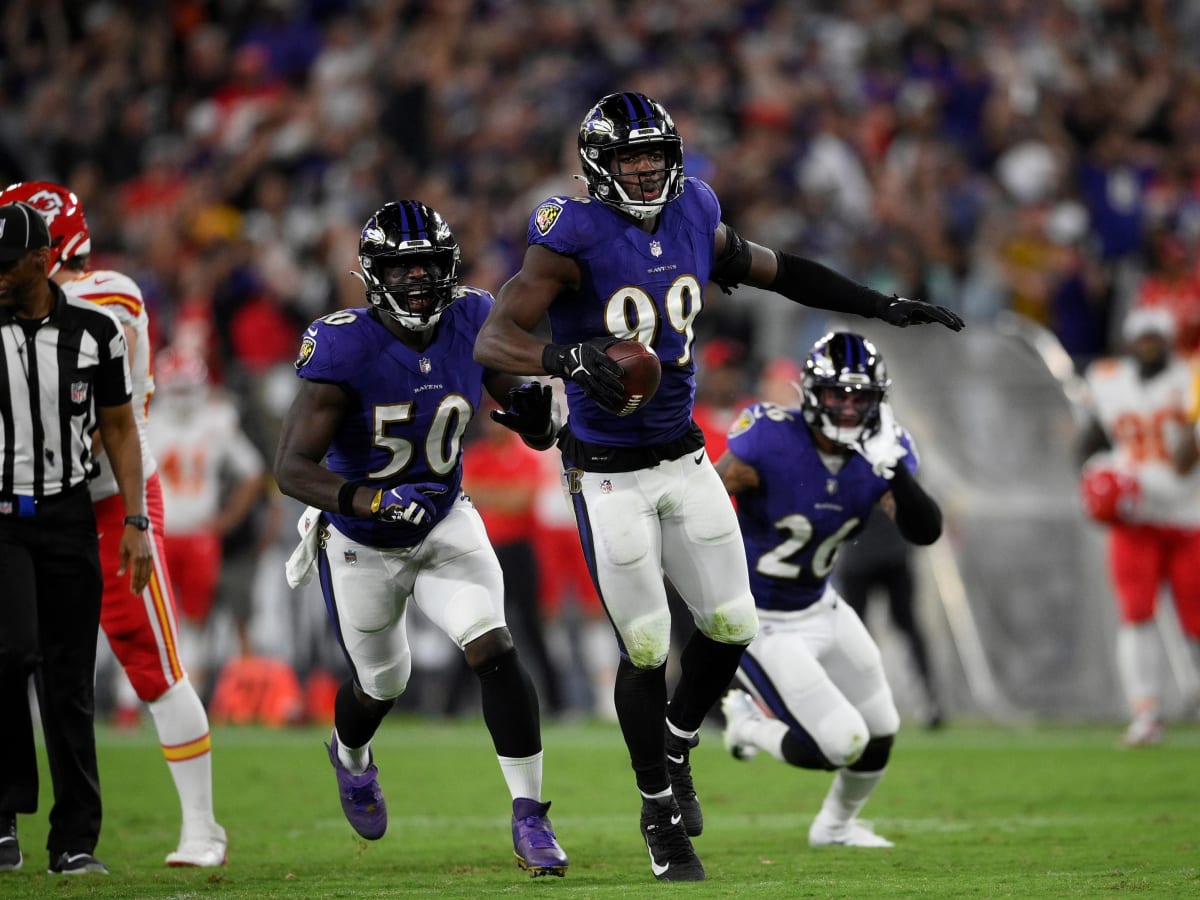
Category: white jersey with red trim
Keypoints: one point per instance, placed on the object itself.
(197, 443)
(121, 296)
(1143, 420)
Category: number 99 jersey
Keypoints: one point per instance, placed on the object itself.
(634, 284)
(408, 408)
(802, 510)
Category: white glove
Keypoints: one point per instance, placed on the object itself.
(883, 449)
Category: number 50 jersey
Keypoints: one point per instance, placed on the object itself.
(408, 408)
(802, 510)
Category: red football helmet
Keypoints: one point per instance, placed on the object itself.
(1109, 495)
(178, 370)
(69, 235)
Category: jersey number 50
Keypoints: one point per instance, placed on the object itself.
(443, 441)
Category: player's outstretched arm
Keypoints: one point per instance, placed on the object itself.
(804, 281)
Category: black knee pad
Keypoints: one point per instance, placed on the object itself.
(799, 749)
(875, 757)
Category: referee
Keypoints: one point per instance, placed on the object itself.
(63, 374)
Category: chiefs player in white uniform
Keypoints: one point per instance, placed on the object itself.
(1142, 434)
(141, 629)
(196, 438)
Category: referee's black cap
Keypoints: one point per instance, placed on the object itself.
(22, 230)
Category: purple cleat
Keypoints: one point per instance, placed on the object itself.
(534, 843)
(362, 800)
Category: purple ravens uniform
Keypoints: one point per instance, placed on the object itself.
(411, 407)
(645, 286)
(801, 512)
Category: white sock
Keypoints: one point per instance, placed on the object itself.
(356, 759)
(765, 734)
(660, 796)
(182, 726)
(523, 775)
(848, 794)
(688, 736)
(1137, 665)
(600, 656)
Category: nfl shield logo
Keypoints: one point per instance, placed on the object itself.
(425, 364)
(6, 506)
(78, 391)
(351, 556)
(606, 486)
(831, 485)
(655, 248)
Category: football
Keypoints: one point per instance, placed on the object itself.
(642, 373)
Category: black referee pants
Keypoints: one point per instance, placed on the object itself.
(50, 591)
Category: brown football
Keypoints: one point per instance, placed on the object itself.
(642, 373)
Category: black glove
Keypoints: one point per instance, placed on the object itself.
(901, 312)
(588, 367)
(530, 413)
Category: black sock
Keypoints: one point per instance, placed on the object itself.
(641, 699)
(706, 668)
(510, 706)
(356, 722)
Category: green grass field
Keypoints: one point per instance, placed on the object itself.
(975, 811)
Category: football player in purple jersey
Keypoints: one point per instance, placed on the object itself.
(373, 444)
(806, 480)
(632, 261)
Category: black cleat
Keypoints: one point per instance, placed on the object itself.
(671, 855)
(10, 850)
(679, 768)
(67, 863)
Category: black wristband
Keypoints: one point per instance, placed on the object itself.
(552, 359)
(812, 284)
(141, 523)
(346, 497)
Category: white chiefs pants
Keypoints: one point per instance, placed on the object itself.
(452, 575)
(674, 519)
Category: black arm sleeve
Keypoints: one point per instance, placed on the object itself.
(918, 517)
(812, 284)
(732, 266)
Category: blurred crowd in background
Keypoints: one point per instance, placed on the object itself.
(1034, 156)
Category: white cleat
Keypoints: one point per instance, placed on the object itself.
(855, 833)
(740, 710)
(1144, 731)
(200, 852)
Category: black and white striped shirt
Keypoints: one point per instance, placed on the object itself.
(53, 375)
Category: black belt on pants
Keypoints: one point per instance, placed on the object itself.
(600, 458)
